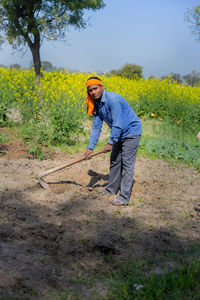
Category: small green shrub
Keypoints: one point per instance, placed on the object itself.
(3, 138)
(3, 116)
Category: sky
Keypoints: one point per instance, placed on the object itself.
(149, 33)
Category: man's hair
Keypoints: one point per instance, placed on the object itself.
(94, 77)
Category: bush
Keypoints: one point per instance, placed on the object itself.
(130, 71)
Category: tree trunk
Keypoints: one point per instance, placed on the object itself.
(35, 50)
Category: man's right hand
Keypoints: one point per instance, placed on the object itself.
(87, 153)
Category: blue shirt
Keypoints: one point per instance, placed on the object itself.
(119, 116)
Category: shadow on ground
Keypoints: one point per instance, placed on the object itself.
(44, 249)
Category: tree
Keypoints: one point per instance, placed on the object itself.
(192, 79)
(130, 71)
(152, 77)
(174, 77)
(47, 66)
(192, 16)
(15, 66)
(25, 22)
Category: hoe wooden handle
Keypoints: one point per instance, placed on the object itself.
(68, 164)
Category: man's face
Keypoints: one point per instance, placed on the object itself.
(95, 91)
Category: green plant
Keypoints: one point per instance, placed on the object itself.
(3, 138)
(36, 152)
(131, 283)
(63, 295)
(3, 116)
(35, 135)
(130, 71)
(168, 148)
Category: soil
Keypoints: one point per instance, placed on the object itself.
(57, 239)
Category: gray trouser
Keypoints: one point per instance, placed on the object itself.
(122, 162)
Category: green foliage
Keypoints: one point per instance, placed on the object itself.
(174, 77)
(167, 130)
(130, 282)
(165, 101)
(15, 66)
(15, 90)
(62, 130)
(192, 79)
(168, 141)
(28, 22)
(3, 138)
(130, 71)
(55, 126)
(36, 152)
(3, 116)
(63, 295)
(35, 136)
(182, 151)
(192, 16)
(47, 66)
(54, 113)
(21, 19)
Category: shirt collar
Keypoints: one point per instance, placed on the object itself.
(103, 99)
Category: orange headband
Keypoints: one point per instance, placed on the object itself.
(93, 81)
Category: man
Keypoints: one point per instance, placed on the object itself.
(126, 130)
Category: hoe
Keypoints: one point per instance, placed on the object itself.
(45, 185)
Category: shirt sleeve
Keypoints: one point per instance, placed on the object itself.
(117, 120)
(96, 131)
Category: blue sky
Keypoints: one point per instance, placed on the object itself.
(150, 33)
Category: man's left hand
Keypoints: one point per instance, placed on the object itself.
(108, 148)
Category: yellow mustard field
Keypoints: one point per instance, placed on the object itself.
(62, 95)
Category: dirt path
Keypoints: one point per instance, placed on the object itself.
(58, 239)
